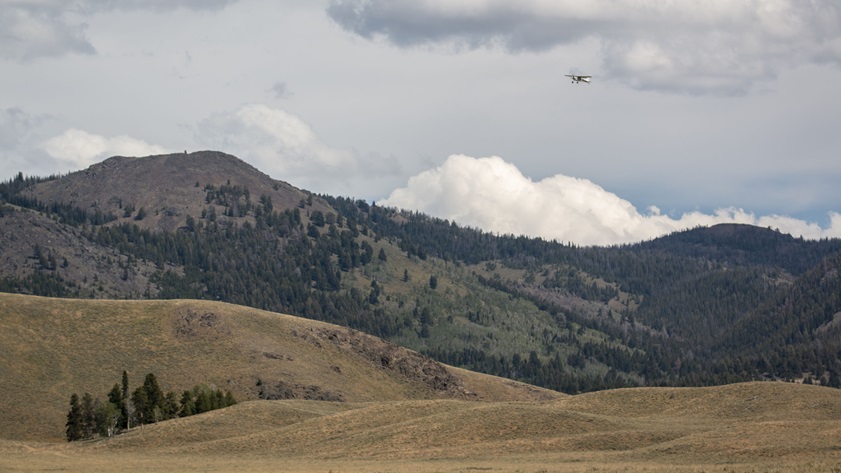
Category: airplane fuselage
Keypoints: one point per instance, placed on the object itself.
(576, 79)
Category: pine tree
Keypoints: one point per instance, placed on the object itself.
(88, 416)
(126, 409)
(188, 406)
(148, 401)
(143, 413)
(218, 399)
(115, 397)
(229, 399)
(73, 426)
(153, 391)
(203, 402)
(170, 406)
(834, 379)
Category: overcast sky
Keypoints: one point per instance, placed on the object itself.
(699, 112)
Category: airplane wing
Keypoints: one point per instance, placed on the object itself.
(577, 78)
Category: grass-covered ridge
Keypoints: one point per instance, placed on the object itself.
(55, 347)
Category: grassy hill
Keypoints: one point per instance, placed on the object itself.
(357, 403)
(734, 428)
(641, 421)
(55, 347)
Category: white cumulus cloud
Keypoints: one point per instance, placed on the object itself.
(81, 149)
(492, 194)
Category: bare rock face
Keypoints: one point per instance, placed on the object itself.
(410, 365)
(285, 390)
(31, 242)
(192, 324)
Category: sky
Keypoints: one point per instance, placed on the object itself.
(702, 112)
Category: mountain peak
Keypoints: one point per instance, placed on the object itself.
(168, 187)
(740, 244)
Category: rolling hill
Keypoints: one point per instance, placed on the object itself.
(55, 347)
(735, 428)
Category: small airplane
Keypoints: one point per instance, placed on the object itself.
(576, 78)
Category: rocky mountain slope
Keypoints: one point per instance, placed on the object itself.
(168, 187)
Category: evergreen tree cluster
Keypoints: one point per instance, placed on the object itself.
(203, 399)
(11, 192)
(556, 373)
(278, 263)
(39, 282)
(147, 404)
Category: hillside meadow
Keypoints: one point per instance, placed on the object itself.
(358, 403)
(737, 428)
(56, 347)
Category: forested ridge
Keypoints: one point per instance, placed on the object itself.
(703, 306)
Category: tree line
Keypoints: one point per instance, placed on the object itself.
(121, 409)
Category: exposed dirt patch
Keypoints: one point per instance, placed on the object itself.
(283, 390)
(191, 324)
(277, 356)
(411, 365)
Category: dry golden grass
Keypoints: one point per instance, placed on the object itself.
(389, 424)
(739, 428)
(55, 347)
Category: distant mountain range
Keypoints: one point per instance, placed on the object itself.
(703, 306)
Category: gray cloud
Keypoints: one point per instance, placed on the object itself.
(20, 133)
(720, 47)
(35, 30)
(16, 126)
(408, 23)
(157, 5)
(280, 90)
(283, 145)
(52, 28)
